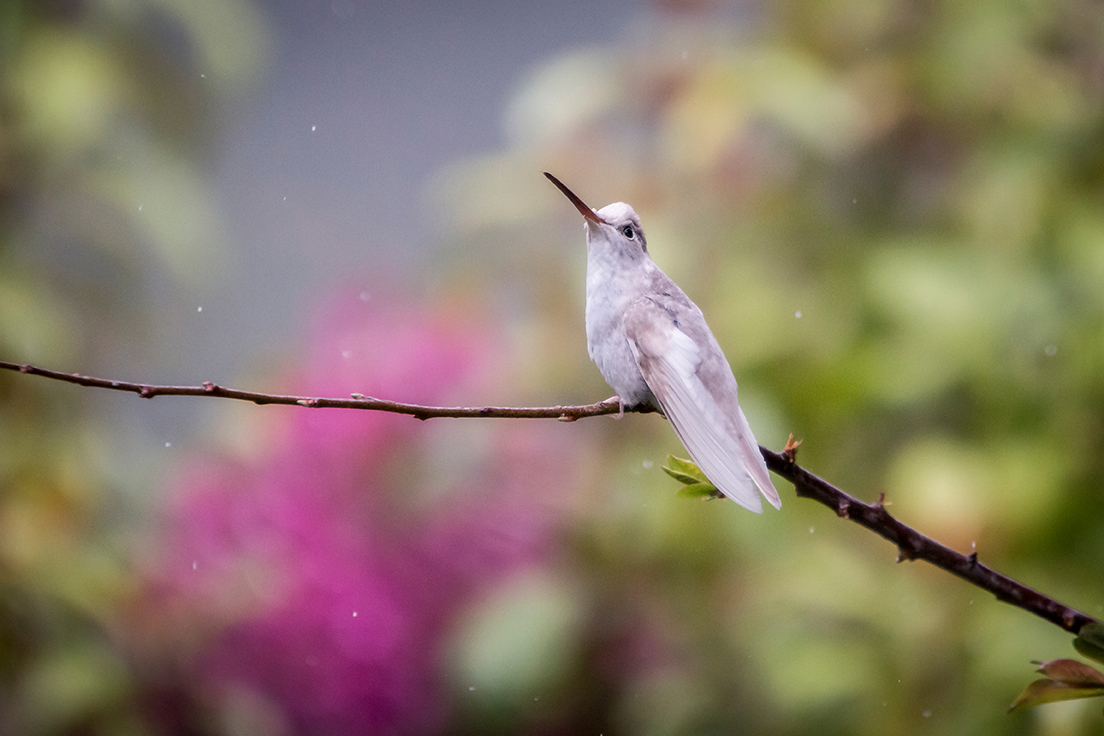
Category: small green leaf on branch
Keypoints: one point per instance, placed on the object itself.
(1090, 642)
(684, 471)
(691, 476)
(699, 490)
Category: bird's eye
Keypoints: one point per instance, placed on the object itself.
(627, 231)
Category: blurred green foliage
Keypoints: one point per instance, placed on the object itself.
(892, 214)
(106, 112)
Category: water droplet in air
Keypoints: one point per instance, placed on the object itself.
(472, 688)
(314, 128)
(926, 714)
(354, 614)
(798, 314)
(346, 354)
(199, 309)
(812, 529)
(193, 564)
(647, 464)
(1051, 350)
(168, 444)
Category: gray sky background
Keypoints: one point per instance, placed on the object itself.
(321, 170)
(363, 103)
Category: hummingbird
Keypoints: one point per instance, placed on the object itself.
(653, 347)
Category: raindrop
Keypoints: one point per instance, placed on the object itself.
(194, 564)
(314, 128)
(647, 464)
(926, 714)
(354, 614)
(168, 444)
(139, 208)
(365, 296)
(812, 529)
(199, 309)
(798, 314)
(1051, 350)
(472, 688)
(346, 354)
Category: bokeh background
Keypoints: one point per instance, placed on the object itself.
(892, 214)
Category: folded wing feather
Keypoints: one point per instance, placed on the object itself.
(719, 440)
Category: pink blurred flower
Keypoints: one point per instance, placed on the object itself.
(336, 562)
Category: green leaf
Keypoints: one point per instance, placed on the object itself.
(1049, 691)
(691, 476)
(684, 471)
(1088, 649)
(698, 490)
(680, 476)
(1093, 634)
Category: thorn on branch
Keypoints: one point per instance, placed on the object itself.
(789, 452)
(147, 392)
(972, 559)
(844, 508)
(209, 387)
(904, 555)
(881, 503)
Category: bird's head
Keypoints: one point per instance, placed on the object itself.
(615, 226)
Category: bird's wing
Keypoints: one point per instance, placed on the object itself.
(719, 440)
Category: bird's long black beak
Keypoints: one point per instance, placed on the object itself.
(585, 211)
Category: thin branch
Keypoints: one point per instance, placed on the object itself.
(911, 544)
(355, 401)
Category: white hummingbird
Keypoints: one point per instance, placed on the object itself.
(653, 347)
